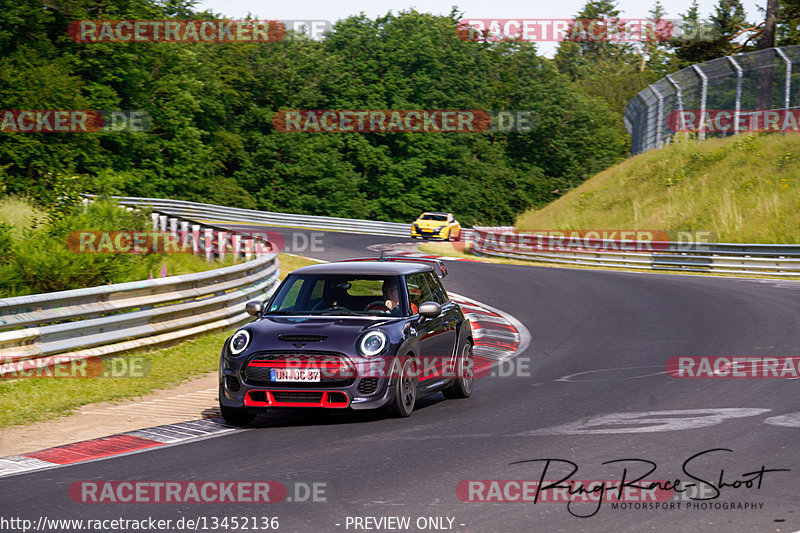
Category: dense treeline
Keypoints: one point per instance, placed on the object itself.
(212, 105)
(212, 137)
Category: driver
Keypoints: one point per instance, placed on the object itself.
(391, 293)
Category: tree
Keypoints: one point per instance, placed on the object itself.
(656, 53)
(581, 47)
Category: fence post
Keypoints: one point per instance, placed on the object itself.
(660, 115)
(788, 83)
(703, 95)
(738, 104)
(154, 218)
(679, 97)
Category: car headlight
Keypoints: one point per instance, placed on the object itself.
(372, 343)
(239, 342)
(440, 228)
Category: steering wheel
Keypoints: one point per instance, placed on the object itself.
(377, 305)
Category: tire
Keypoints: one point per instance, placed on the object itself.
(465, 375)
(405, 391)
(236, 416)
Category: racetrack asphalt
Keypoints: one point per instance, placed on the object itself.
(590, 388)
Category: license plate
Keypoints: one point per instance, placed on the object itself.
(295, 374)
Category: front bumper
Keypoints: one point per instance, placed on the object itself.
(422, 232)
(246, 383)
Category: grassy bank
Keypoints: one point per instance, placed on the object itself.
(35, 257)
(743, 189)
(30, 400)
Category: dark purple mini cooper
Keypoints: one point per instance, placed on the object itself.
(358, 334)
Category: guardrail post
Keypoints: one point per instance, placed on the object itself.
(237, 246)
(208, 242)
(184, 232)
(222, 244)
(173, 226)
(163, 223)
(154, 217)
(195, 239)
(247, 243)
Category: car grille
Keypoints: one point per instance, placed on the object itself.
(295, 396)
(368, 386)
(231, 383)
(302, 338)
(336, 369)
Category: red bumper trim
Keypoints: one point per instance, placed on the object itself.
(329, 400)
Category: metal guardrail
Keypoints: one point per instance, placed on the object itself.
(41, 330)
(215, 214)
(730, 258)
(97, 321)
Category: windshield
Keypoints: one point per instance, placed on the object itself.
(339, 295)
(437, 218)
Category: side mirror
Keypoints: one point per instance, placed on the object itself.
(254, 307)
(430, 309)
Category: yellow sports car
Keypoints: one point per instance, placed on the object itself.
(443, 225)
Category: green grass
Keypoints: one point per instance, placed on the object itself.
(742, 189)
(20, 213)
(23, 401)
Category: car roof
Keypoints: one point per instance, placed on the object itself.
(379, 268)
(434, 213)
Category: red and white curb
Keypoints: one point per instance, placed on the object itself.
(410, 250)
(114, 445)
(498, 337)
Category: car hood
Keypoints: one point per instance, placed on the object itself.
(430, 224)
(306, 333)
